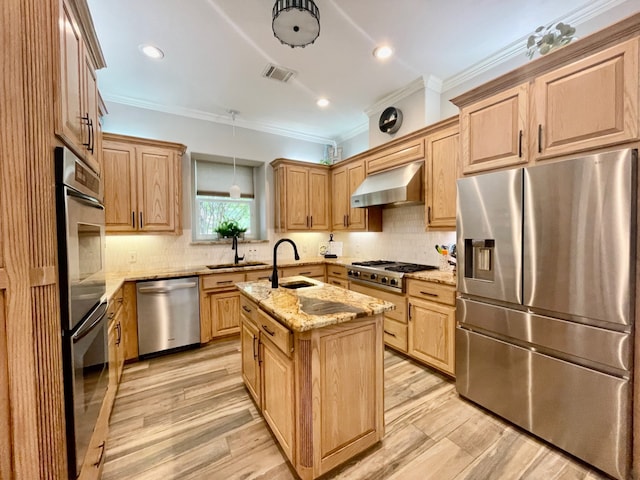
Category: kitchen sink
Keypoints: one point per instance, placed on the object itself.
(297, 284)
(236, 265)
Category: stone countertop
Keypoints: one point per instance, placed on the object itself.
(116, 279)
(311, 307)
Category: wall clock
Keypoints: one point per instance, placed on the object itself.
(390, 120)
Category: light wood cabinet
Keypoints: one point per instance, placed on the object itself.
(337, 275)
(302, 196)
(317, 271)
(219, 305)
(442, 159)
(399, 153)
(494, 131)
(588, 104)
(77, 122)
(431, 331)
(115, 315)
(323, 404)
(345, 179)
(142, 185)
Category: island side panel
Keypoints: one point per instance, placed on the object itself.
(348, 390)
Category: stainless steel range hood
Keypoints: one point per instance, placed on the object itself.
(402, 185)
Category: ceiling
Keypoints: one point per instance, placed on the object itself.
(216, 51)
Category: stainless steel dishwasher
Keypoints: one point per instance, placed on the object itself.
(168, 314)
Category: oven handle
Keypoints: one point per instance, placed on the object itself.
(98, 313)
(87, 200)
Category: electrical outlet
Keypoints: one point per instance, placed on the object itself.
(133, 257)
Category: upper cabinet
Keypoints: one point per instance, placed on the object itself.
(494, 131)
(345, 179)
(77, 121)
(588, 104)
(442, 158)
(406, 150)
(142, 184)
(302, 196)
(580, 98)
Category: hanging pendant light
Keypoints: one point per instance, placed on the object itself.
(296, 22)
(234, 190)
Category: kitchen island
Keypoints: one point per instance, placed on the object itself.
(312, 359)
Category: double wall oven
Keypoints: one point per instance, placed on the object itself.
(81, 249)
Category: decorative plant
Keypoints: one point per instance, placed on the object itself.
(229, 228)
(543, 40)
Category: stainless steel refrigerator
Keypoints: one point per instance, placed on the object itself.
(546, 275)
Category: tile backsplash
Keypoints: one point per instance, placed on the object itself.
(403, 239)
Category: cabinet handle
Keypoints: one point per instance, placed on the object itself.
(520, 144)
(246, 309)
(119, 330)
(120, 300)
(539, 138)
(311, 221)
(390, 334)
(91, 136)
(344, 220)
(347, 220)
(141, 224)
(100, 457)
(255, 354)
(133, 220)
(87, 121)
(428, 214)
(260, 359)
(304, 273)
(335, 282)
(222, 282)
(429, 294)
(409, 311)
(266, 329)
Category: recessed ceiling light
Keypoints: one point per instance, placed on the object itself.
(151, 51)
(383, 52)
(322, 102)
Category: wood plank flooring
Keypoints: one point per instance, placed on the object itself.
(188, 416)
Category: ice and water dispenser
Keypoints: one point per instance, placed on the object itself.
(479, 258)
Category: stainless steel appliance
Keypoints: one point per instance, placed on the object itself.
(384, 274)
(168, 314)
(546, 261)
(81, 234)
(398, 186)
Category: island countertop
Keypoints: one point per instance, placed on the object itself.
(311, 307)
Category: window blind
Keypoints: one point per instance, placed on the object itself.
(214, 179)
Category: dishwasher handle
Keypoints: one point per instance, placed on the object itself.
(169, 288)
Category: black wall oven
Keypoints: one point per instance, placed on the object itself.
(81, 249)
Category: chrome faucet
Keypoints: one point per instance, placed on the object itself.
(234, 246)
(274, 274)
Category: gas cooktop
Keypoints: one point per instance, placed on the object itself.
(384, 274)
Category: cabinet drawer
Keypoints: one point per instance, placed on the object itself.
(399, 314)
(256, 275)
(276, 332)
(395, 334)
(248, 308)
(338, 282)
(315, 271)
(336, 271)
(434, 292)
(221, 281)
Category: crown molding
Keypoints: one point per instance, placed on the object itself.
(362, 128)
(216, 118)
(575, 17)
(413, 87)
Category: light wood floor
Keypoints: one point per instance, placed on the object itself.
(188, 416)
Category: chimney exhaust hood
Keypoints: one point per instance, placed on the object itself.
(402, 185)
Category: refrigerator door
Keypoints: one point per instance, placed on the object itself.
(578, 231)
(489, 232)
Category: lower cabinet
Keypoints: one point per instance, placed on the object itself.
(323, 403)
(432, 317)
(219, 305)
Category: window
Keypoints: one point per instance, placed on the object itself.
(212, 203)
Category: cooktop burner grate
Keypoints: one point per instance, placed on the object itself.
(410, 268)
(373, 263)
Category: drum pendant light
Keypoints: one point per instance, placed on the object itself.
(234, 190)
(296, 22)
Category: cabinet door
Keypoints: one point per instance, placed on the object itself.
(357, 217)
(225, 313)
(339, 198)
(277, 394)
(90, 124)
(319, 212)
(249, 343)
(443, 156)
(120, 187)
(71, 71)
(280, 222)
(157, 201)
(588, 104)
(113, 356)
(494, 131)
(297, 204)
(431, 334)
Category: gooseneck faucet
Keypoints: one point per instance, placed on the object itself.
(274, 274)
(234, 246)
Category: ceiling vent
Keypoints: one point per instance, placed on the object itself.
(280, 74)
